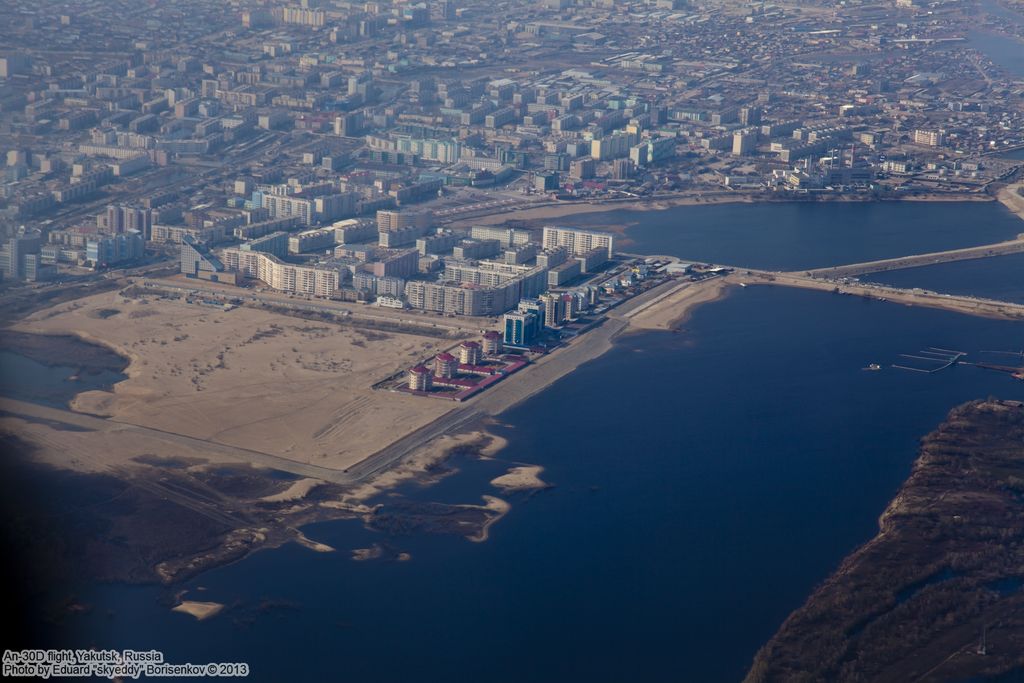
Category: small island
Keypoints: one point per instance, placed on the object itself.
(936, 595)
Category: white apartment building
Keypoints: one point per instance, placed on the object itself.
(579, 242)
(286, 277)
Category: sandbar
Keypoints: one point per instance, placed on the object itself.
(200, 610)
(521, 478)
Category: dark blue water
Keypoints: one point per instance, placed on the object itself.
(55, 385)
(1005, 51)
(1000, 278)
(1017, 154)
(795, 235)
(705, 482)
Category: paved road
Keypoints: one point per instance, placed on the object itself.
(914, 261)
(83, 421)
(969, 305)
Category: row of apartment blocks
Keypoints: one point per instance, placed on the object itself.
(492, 287)
(522, 327)
(315, 280)
(466, 283)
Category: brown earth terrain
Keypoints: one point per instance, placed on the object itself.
(943, 577)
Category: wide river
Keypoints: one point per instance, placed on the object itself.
(704, 482)
(1005, 50)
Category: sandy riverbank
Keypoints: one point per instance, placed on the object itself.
(571, 208)
(675, 307)
(1011, 197)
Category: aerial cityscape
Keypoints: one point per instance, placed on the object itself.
(435, 340)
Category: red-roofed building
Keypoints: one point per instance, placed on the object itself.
(445, 365)
(419, 378)
(469, 353)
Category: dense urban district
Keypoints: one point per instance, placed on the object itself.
(324, 237)
(335, 138)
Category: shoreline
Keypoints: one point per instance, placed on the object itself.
(561, 209)
(277, 510)
(897, 605)
(1010, 196)
(963, 305)
(663, 308)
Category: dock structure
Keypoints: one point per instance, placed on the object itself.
(944, 357)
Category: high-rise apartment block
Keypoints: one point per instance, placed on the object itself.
(579, 242)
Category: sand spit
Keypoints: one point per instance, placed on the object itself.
(523, 478)
(200, 610)
(494, 446)
(315, 546)
(421, 462)
(669, 310)
(497, 508)
(297, 491)
(1011, 197)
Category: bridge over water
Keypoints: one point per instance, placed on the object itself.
(1014, 246)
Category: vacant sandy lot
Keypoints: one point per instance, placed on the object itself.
(249, 378)
(671, 309)
(1012, 199)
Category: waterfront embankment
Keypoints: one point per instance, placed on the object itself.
(1011, 197)
(966, 305)
(563, 209)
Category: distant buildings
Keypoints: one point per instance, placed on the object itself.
(445, 365)
(276, 243)
(470, 353)
(20, 259)
(492, 343)
(931, 138)
(108, 250)
(315, 280)
(196, 260)
(419, 379)
(311, 240)
(520, 328)
(578, 241)
(744, 142)
(507, 237)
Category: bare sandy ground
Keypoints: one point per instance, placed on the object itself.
(1011, 198)
(315, 546)
(415, 465)
(671, 309)
(498, 507)
(520, 479)
(199, 610)
(248, 378)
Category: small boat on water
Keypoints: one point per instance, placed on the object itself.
(873, 366)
